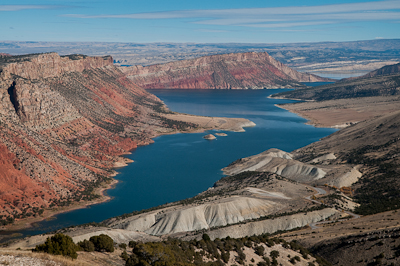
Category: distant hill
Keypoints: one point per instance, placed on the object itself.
(291, 54)
(227, 71)
(386, 70)
(363, 87)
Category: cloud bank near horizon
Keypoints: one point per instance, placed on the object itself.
(274, 17)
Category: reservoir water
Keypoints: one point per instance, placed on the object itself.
(180, 166)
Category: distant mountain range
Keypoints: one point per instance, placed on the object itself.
(303, 57)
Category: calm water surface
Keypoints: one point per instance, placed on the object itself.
(179, 166)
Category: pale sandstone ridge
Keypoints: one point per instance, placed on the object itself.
(226, 71)
(279, 162)
(271, 226)
(205, 216)
(318, 171)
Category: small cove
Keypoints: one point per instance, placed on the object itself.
(180, 166)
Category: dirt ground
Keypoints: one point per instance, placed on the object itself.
(343, 112)
(365, 224)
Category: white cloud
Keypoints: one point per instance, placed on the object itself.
(278, 17)
(24, 7)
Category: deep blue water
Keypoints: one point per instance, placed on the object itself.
(179, 166)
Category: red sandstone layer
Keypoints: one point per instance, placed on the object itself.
(63, 123)
(227, 71)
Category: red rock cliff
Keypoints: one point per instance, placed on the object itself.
(63, 123)
(227, 71)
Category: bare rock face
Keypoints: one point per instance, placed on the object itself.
(204, 216)
(63, 123)
(279, 162)
(227, 71)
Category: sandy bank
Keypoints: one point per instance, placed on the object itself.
(343, 112)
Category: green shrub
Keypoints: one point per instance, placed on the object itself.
(206, 238)
(86, 245)
(259, 250)
(122, 245)
(267, 261)
(225, 256)
(59, 244)
(274, 254)
(132, 244)
(103, 243)
(124, 255)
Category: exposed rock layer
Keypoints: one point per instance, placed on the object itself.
(227, 71)
(278, 162)
(233, 210)
(63, 122)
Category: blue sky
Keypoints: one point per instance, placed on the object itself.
(204, 21)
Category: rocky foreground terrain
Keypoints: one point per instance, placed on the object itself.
(65, 121)
(227, 71)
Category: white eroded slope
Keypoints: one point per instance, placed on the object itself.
(271, 226)
(279, 162)
(232, 210)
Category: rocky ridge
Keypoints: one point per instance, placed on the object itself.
(386, 70)
(380, 85)
(226, 71)
(318, 171)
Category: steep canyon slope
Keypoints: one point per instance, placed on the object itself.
(226, 71)
(62, 127)
(64, 121)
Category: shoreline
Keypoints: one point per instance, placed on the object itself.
(50, 214)
(310, 120)
(230, 124)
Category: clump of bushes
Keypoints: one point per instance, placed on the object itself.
(102, 243)
(86, 245)
(209, 252)
(59, 244)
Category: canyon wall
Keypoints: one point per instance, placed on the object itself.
(64, 121)
(225, 71)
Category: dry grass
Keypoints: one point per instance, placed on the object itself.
(58, 259)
